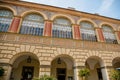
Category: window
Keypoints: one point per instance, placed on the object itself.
(87, 31)
(62, 28)
(5, 20)
(32, 24)
(109, 34)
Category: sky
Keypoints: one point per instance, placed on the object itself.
(108, 8)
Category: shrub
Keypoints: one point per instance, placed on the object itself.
(115, 75)
(84, 72)
(45, 77)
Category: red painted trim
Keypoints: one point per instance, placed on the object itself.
(76, 32)
(101, 36)
(118, 33)
(14, 25)
(48, 28)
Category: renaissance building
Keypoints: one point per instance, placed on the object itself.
(37, 39)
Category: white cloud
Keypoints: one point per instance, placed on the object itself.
(105, 6)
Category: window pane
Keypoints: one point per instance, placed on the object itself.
(62, 28)
(87, 31)
(5, 20)
(109, 34)
(32, 24)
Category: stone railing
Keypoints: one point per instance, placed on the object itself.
(57, 42)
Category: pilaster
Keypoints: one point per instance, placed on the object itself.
(117, 34)
(76, 31)
(48, 28)
(100, 36)
(15, 25)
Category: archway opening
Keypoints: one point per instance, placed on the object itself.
(62, 68)
(116, 63)
(25, 67)
(95, 65)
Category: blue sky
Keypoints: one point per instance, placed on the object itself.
(108, 8)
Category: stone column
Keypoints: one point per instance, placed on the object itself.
(8, 69)
(44, 70)
(76, 31)
(76, 72)
(14, 27)
(9, 72)
(48, 28)
(109, 69)
(117, 34)
(104, 73)
(100, 36)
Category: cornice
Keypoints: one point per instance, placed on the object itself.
(62, 10)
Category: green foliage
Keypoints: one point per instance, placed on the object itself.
(45, 77)
(115, 75)
(84, 72)
(1, 71)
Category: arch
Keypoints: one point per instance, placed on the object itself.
(97, 58)
(94, 55)
(97, 67)
(65, 55)
(62, 15)
(34, 11)
(89, 20)
(116, 62)
(9, 8)
(12, 60)
(105, 23)
(114, 55)
(62, 63)
(24, 63)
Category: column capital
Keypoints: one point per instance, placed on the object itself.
(17, 16)
(6, 64)
(75, 25)
(98, 28)
(78, 67)
(116, 31)
(48, 20)
(45, 66)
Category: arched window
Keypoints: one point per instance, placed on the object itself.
(109, 34)
(87, 31)
(5, 20)
(62, 28)
(32, 24)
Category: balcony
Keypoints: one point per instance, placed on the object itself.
(57, 42)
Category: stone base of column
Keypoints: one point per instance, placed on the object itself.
(7, 67)
(44, 70)
(76, 72)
